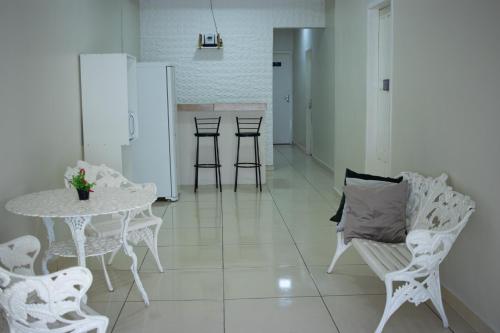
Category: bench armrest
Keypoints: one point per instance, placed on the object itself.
(428, 249)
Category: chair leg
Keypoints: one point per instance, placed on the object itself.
(113, 255)
(236, 165)
(341, 248)
(436, 298)
(102, 327)
(218, 162)
(196, 166)
(215, 163)
(105, 271)
(258, 161)
(151, 241)
(392, 303)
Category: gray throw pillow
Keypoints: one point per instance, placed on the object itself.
(376, 213)
(358, 182)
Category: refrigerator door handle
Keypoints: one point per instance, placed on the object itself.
(132, 126)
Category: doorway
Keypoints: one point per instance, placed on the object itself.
(379, 89)
(282, 98)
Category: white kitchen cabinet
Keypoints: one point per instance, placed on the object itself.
(109, 106)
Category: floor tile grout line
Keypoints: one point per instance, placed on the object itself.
(128, 293)
(437, 315)
(305, 177)
(307, 268)
(222, 263)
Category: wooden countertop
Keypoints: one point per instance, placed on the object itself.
(221, 107)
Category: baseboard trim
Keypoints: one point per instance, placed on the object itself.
(339, 191)
(470, 317)
(323, 164)
(301, 147)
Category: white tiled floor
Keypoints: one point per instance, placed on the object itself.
(252, 262)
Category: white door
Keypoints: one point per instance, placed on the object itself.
(309, 102)
(383, 112)
(282, 98)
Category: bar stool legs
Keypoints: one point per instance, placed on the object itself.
(257, 153)
(216, 165)
(249, 128)
(218, 180)
(216, 162)
(197, 163)
(237, 165)
(208, 128)
(256, 164)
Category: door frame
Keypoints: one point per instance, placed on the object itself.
(372, 84)
(290, 54)
(309, 102)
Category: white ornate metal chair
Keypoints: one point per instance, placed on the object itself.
(48, 303)
(435, 216)
(144, 227)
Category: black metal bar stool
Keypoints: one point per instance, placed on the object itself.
(249, 128)
(208, 128)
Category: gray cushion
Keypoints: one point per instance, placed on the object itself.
(376, 213)
(358, 182)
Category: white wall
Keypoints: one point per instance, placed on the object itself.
(350, 87)
(322, 91)
(446, 118)
(242, 72)
(40, 127)
(283, 40)
(303, 41)
(321, 43)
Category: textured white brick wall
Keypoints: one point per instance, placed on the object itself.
(242, 72)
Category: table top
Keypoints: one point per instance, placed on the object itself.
(65, 202)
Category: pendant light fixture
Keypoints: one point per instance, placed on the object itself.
(210, 40)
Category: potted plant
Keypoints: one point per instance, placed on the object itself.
(82, 186)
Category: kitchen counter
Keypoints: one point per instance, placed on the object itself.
(221, 107)
(186, 142)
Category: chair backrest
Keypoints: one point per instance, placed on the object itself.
(418, 191)
(444, 210)
(103, 176)
(248, 125)
(38, 303)
(209, 125)
(19, 255)
(438, 215)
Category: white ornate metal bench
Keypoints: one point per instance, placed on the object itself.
(435, 216)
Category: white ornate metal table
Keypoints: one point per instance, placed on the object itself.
(77, 214)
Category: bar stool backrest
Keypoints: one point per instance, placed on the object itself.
(248, 125)
(207, 125)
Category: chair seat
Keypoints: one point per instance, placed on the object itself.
(113, 226)
(206, 134)
(383, 258)
(245, 135)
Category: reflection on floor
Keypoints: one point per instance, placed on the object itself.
(252, 262)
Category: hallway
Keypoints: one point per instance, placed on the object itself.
(255, 262)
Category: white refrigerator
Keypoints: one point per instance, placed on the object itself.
(151, 156)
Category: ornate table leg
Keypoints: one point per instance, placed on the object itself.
(77, 226)
(129, 250)
(49, 225)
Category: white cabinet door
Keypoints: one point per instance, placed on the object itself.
(104, 98)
